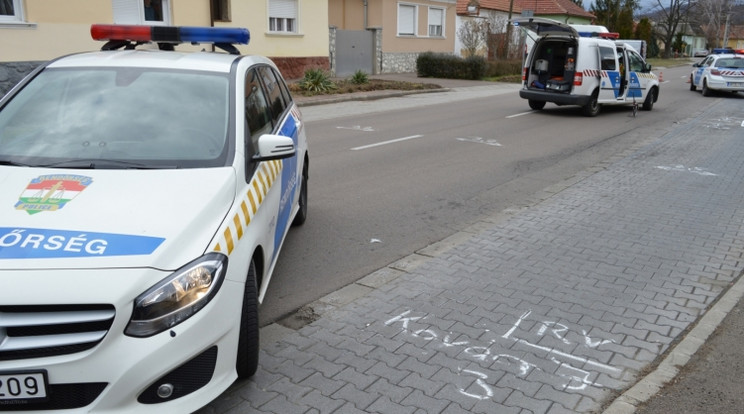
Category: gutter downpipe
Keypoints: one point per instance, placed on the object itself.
(366, 5)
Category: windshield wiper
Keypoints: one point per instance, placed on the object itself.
(13, 163)
(97, 163)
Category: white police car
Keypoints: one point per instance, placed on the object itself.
(567, 66)
(145, 197)
(719, 72)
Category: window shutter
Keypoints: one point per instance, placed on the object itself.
(435, 16)
(406, 19)
(283, 9)
(126, 12)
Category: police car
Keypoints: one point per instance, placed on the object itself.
(586, 69)
(145, 198)
(718, 72)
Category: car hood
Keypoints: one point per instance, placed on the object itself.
(78, 219)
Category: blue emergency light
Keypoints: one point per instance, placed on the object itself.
(603, 35)
(126, 35)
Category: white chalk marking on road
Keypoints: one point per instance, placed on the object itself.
(520, 114)
(568, 356)
(392, 141)
(480, 140)
(682, 168)
(358, 128)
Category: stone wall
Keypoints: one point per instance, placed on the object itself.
(399, 62)
(12, 72)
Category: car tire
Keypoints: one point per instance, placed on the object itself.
(648, 104)
(592, 108)
(246, 363)
(692, 84)
(705, 89)
(536, 105)
(301, 215)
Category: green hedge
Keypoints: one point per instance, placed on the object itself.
(449, 66)
(498, 68)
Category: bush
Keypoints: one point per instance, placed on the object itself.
(504, 67)
(317, 81)
(359, 78)
(449, 66)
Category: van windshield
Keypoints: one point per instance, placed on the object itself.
(117, 118)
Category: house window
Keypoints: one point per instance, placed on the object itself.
(11, 11)
(406, 20)
(150, 12)
(283, 16)
(220, 10)
(436, 22)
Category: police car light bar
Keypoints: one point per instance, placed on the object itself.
(169, 34)
(602, 35)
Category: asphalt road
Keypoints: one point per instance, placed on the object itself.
(392, 176)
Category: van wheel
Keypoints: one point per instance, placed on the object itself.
(536, 105)
(592, 108)
(648, 104)
(705, 89)
(692, 84)
(247, 358)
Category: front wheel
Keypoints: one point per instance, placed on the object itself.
(302, 211)
(536, 105)
(692, 84)
(247, 358)
(648, 104)
(592, 108)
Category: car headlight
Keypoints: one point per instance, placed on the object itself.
(177, 297)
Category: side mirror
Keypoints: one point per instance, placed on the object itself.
(274, 147)
(647, 67)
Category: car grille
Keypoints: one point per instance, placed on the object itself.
(42, 331)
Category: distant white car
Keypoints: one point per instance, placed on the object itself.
(724, 72)
(700, 53)
(146, 195)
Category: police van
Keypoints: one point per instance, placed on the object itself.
(586, 69)
(146, 195)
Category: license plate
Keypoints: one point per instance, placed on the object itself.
(22, 386)
(736, 84)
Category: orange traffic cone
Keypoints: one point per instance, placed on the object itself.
(661, 76)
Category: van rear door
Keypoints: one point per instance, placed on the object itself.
(545, 27)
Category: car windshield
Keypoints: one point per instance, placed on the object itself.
(730, 63)
(117, 118)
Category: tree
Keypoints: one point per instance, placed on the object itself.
(616, 15)
(606, 12)
(669, 20)
(643, 30)
(473, 34)
(711, 16)
(625, 21)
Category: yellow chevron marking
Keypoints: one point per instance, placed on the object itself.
(238, 226)
(229, 240)
(258, 188)
(252, 200)
(244, 207)
(258, 192)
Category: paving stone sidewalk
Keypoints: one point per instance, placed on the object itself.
(557, 307)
